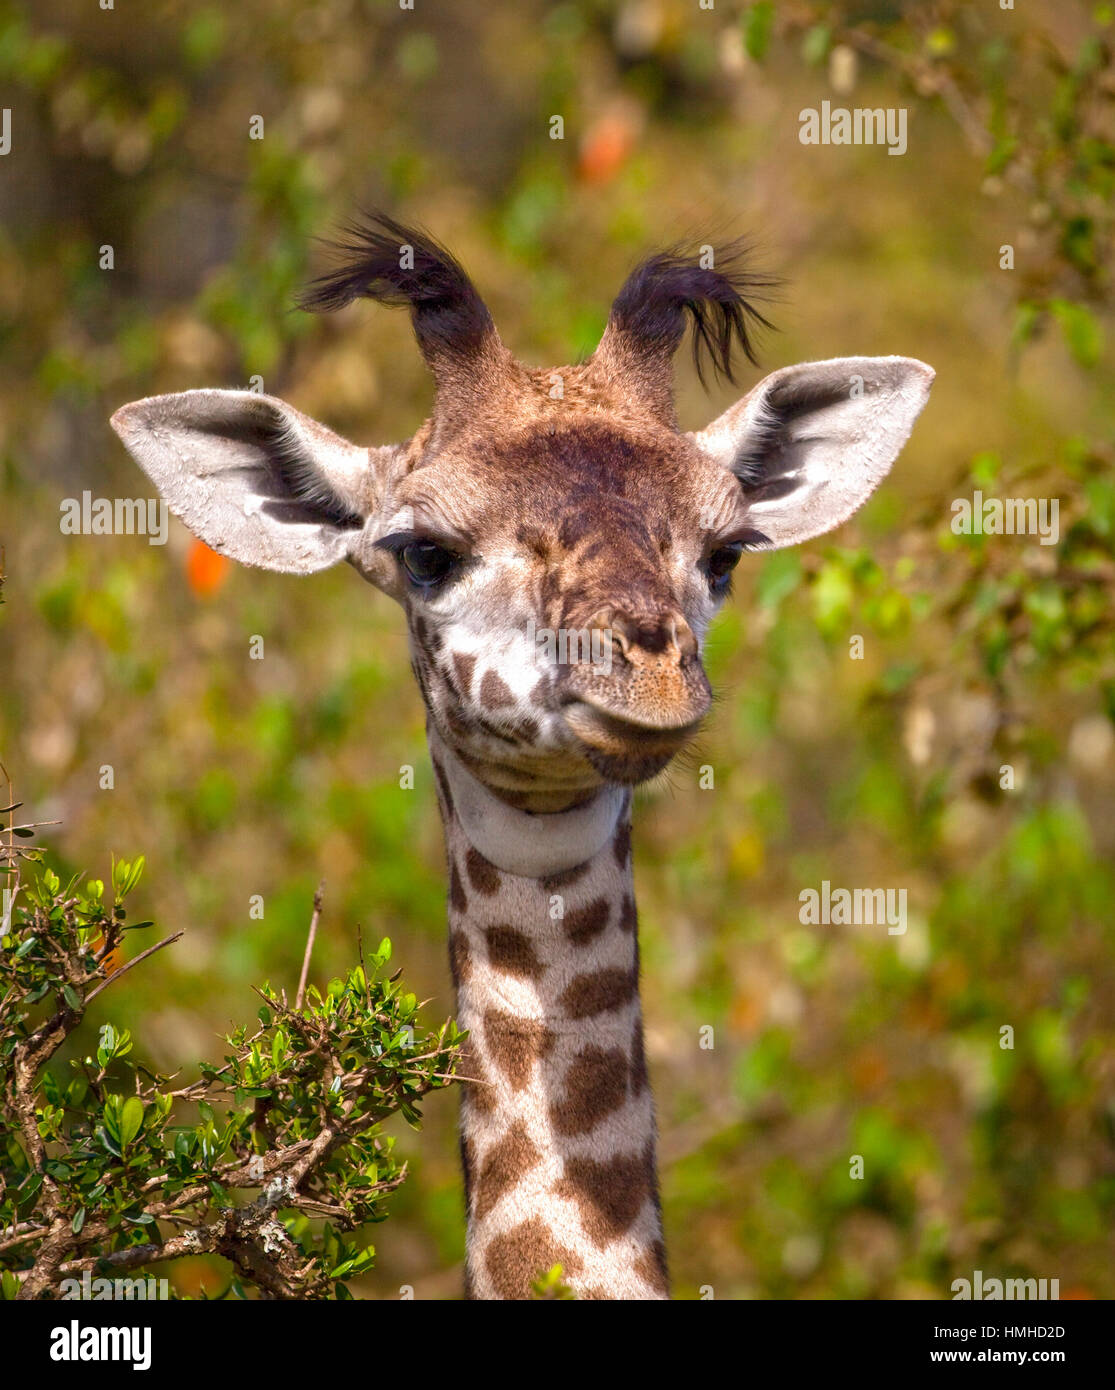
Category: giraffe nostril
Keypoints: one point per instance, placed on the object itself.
(636, 637)
(611, 624)
(685, 640)
(669, 634)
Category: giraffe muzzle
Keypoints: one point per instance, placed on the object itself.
(631, 720)
(623, 750)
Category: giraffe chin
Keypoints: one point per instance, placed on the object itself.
(619, 750)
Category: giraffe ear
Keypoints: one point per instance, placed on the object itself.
(252, 477)
(811, 443)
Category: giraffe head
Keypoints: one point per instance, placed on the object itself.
(558, 544)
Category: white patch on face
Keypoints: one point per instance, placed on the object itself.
(488, 616)
(504, 645)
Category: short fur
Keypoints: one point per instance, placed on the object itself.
(584, 511)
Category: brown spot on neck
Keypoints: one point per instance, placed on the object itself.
(516, 1044)
(478, 1093)
(482, 874)
(599, 992)
(513, 951)
(505, 1163)
(458, 898)
(460, 959)
(610, 1194)
(516, 1258)
(595, 1087)
(622, 842)
(584, 924)
(651, 1268)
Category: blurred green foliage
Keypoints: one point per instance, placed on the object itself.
(981, 653)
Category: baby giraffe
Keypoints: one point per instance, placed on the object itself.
(559, 547)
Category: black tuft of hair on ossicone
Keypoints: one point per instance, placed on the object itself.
(383, 260)
(718, 298)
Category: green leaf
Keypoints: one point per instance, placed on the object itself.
(78, 1222)
(1082, 333)
(1002, 154)
(1027, 317)
(107, 1040)
(134, 876)
(110, 1143)
(815, 45)
(758, 24)
(131, 1120)
(985, 468)
(898, 675)
(833, 595)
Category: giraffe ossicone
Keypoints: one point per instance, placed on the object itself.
(587, 515)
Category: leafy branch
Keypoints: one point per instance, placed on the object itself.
(274, 1159)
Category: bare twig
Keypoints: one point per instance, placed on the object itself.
(166, 941)
(318, 897)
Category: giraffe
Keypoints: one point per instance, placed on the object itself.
(559, 547)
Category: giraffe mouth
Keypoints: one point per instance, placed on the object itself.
(619, 748)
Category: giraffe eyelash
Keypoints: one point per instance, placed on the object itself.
(398, 541)
(749, 537)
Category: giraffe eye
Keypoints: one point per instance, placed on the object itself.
(721, 563)
(428, 564)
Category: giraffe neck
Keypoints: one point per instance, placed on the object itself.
(557, 1127)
